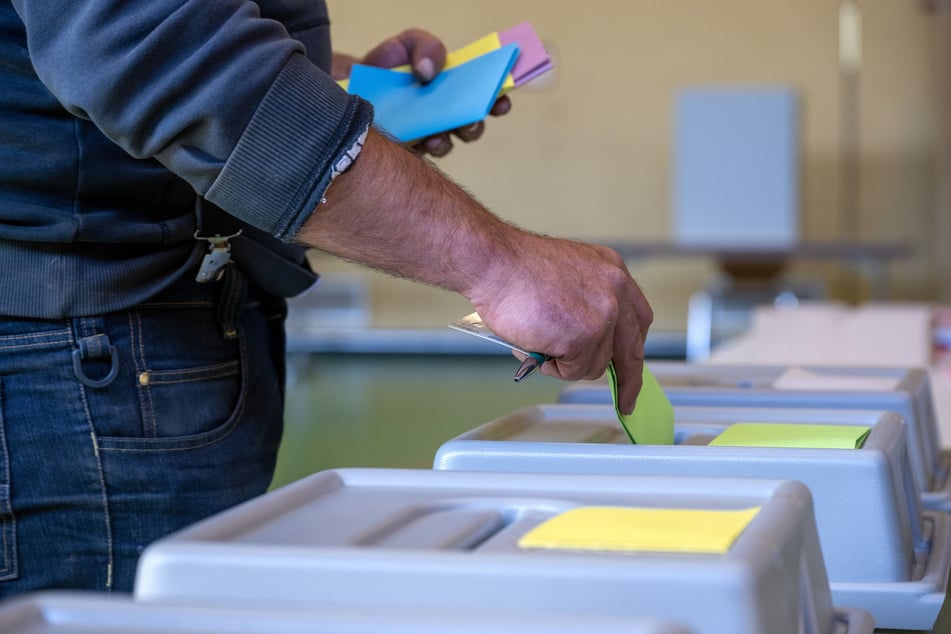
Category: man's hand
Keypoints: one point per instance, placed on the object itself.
(426, 55)
(575, 302)
(572, 301)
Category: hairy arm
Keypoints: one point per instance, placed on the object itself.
(573, 301)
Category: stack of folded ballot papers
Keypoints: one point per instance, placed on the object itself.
(463, 93)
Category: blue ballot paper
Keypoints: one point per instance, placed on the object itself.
(458, 96)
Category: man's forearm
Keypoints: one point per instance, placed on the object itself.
(397, 213)
(574, 302)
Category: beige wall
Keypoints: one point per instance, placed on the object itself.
(588, 153)
(941, 213)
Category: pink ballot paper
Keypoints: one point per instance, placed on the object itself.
(533, 60)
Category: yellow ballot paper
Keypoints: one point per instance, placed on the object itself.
(609, 528)
(652, 422)
(793, 435)
(483, 45)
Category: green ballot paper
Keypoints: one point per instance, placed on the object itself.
(652, 422)
(793, 435)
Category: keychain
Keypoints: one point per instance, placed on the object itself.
(218, 256)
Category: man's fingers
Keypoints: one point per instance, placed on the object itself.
(424, 52)
(629, 368)
(587, 367)
(427, 53)
(590, 359)
(437, 145)
(470, 132)
(586, 311)
(501, 106)
(629, 338)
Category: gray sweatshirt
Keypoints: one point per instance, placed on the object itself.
(118, 118)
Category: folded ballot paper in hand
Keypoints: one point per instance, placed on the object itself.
(409, 110)
(462, 94)
(651, 422)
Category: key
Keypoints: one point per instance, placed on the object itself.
(218, 256)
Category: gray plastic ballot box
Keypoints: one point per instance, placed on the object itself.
(95, 613)
(429, 540)
(906, 391)
(882, 552)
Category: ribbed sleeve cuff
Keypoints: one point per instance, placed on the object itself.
(283, 162)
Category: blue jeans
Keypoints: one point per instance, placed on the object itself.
(118, 429)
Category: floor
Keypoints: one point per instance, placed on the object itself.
(346, 410)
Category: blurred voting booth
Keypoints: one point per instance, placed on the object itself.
(736, 194)
(736, 170)
(736, 198)
(871, 335)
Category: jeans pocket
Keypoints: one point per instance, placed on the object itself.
(8, 534)
(188, 401)
(189, 383)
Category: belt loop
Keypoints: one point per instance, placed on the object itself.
(234, 288)
(95, 347)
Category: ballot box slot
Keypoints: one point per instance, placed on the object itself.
(444, 528)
